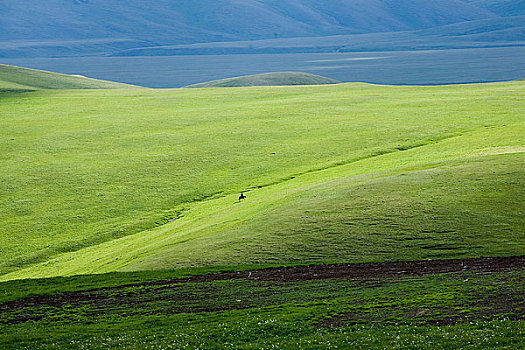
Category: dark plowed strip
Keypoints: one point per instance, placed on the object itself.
(365, 270)
(305, 273)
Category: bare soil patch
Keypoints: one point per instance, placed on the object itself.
(372, 272)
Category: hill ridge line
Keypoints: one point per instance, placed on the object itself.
(358, 159)
(223, 194)
(337, 164)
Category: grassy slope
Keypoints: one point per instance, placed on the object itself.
(379, 173)
(17, 78)
(268, 79)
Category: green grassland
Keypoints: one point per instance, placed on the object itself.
(17, 78)
(268, 79)
(120, 188)
(128, 180)
(458, 310)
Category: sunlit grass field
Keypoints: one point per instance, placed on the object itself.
(136, 186)
(123, 180)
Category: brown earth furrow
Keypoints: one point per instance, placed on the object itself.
(365, 271)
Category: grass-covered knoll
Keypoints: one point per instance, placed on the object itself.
(269, 79)
(121, 180)
(469, 309)
(17, 78)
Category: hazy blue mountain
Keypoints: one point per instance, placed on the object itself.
(495, 32)
(95, 27)
(504, 8)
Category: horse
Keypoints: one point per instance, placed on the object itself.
(241, 197)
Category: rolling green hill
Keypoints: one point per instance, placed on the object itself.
(126, 180)
(268, 79)
(17, 78)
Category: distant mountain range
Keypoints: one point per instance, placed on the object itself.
(33, 28)
(495, 32)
